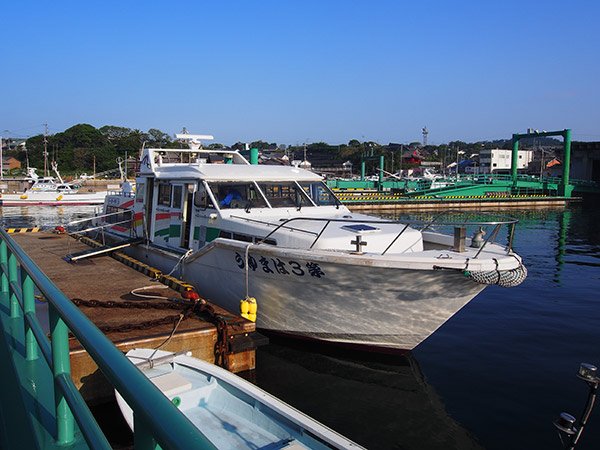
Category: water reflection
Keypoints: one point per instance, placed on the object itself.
(27, 216)
(379, 401)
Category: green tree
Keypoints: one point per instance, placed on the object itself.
(158, 139)
(82, 135)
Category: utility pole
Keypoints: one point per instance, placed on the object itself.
(46, 150)
(401, 157)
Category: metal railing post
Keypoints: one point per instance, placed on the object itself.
(143, 438)
(4, 262)
(31, 346)
(13, 277)
(61, 365)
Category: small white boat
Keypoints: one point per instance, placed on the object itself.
(318, 271)
(52, 191)
(231, 412)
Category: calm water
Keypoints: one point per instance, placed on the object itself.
(494, 376)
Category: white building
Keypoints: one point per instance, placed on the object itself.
(496, 159)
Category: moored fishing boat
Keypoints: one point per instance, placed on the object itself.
(236, 230)
(231, 412)
(52, 191)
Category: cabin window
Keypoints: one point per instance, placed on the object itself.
(284, 194)
(237, 195)
(177, 191)
(164, 194)
(319, 193)
(201, 197)
(139, 192)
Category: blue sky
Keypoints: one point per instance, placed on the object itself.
(303, 71)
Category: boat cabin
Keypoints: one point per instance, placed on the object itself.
(192, 198)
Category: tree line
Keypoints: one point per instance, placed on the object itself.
(83, 147)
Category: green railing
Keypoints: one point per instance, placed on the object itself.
(549, 184)
(157, 422)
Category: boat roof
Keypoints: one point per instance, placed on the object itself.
(233, 172)
(158, 164)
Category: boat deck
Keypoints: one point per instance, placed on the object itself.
(105, 280)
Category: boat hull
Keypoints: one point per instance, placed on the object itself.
(326, 297)
(231, 412)
(52, 199)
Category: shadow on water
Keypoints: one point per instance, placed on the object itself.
(379, 401)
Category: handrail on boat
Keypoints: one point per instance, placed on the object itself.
(271, 224)
(157, 420)
(503, 220)
(128, 222)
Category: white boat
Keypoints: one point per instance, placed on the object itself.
(231, 412)
(317, 270)
(52, 191)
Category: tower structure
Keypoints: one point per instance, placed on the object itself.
(425, 132)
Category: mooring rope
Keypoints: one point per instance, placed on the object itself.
(247, 271)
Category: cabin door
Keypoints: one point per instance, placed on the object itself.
(148, 213)
(186, 218)
(175, 216)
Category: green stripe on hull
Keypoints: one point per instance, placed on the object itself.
(163, 232)
(212, 234)
(175, 230)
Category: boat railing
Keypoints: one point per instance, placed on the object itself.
(85, 231)
(43, 382)
(120, 193)
(425, 224)
(271, 224)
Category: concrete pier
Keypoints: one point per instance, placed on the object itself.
(110, 282)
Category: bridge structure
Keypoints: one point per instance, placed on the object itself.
(565, 189)
(471, 186)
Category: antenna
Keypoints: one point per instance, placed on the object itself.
(425, 132)
(193, 140)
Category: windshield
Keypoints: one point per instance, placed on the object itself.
(284, 194)
(237, 195)
(319, 193)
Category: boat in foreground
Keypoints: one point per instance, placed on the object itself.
(236, 230)
(231, 412)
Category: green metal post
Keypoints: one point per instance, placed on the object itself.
(381, 172)
(254, 156)
(61, 365)
(142, 435)
(31, 347)
(13, 277)
(4, 262)
(564, 189)
(514, 159)
(362, 169)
